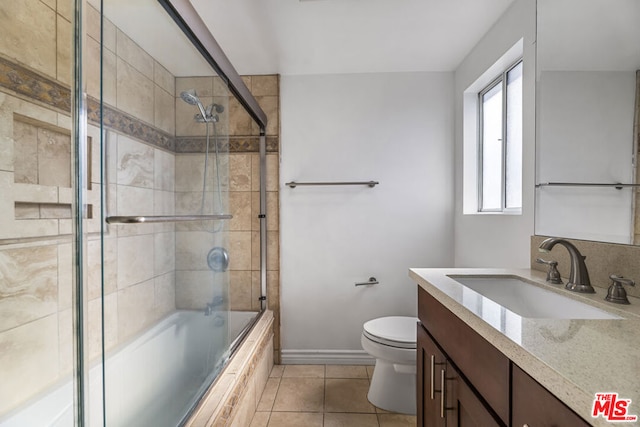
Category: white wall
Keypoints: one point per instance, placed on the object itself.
(491, 240)
(393, 128)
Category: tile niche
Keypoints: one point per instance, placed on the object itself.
(37, 193)
(42, 159)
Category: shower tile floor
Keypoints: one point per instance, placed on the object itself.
(322, 396)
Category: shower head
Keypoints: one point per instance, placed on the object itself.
(213, 110)
(191, 97)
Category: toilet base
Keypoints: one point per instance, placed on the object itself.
(393, 387)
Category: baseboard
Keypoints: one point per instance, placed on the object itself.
(326, 357)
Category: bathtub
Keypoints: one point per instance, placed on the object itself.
(152, 381)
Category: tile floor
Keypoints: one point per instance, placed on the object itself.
(322, 396)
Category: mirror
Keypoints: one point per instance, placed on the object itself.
(588, 52)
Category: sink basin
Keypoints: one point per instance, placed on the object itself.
(530, 301)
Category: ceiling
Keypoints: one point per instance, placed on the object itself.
(348, 36)
(363, 36)
(315, 36)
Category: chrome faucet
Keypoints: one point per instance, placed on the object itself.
(210, 308)
(579, 276)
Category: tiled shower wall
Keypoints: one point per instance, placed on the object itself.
(35, 183)
(243, 191)
(143, 155)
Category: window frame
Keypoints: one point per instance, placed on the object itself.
(501, 79)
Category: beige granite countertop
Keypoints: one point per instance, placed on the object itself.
(574, 359)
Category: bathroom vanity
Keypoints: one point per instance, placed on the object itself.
(480, 363)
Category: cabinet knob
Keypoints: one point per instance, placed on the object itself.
(525, 425)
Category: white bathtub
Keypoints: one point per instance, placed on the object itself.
(151, 381)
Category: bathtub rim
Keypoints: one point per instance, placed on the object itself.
(233, 348)
(217, 406)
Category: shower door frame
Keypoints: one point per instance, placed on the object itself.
(80, 372)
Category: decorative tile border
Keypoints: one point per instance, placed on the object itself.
(235, 144)
(129, 125)
(33, 85)
(25, 82)
(197, 144)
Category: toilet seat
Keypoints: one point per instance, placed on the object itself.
(393, 331)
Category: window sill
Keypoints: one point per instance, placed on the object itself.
(508, 213)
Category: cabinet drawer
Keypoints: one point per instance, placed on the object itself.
(482, 364)
(535, 406)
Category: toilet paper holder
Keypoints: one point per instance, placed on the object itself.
(372, 281)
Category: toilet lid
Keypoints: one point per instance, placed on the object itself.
(396, 331)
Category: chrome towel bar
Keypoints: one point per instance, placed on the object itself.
(617, 185)
(159, 218)
(371, 184)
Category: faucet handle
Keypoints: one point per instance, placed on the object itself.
(616, 292)
(553, 275)
(621, 280)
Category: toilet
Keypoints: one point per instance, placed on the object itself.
(392, 341)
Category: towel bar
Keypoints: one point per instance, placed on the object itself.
(139, 219)
(371, 184)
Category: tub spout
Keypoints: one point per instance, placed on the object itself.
(210, 308)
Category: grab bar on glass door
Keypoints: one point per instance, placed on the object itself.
(137, 219)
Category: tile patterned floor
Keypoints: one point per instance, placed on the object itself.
(322, 396)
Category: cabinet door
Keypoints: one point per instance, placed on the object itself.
(465, 408)
(430, 362)
(535, 406)
(483, 365)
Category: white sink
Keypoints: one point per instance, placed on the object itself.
(530, 301)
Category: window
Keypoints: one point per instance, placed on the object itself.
(500, 143)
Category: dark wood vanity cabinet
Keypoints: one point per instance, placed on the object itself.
(446, 399)
(534, 406)
(480, 385)
(485, 369)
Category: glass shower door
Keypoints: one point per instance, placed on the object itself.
(131, 314)
(165, 292)
(47, 202)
